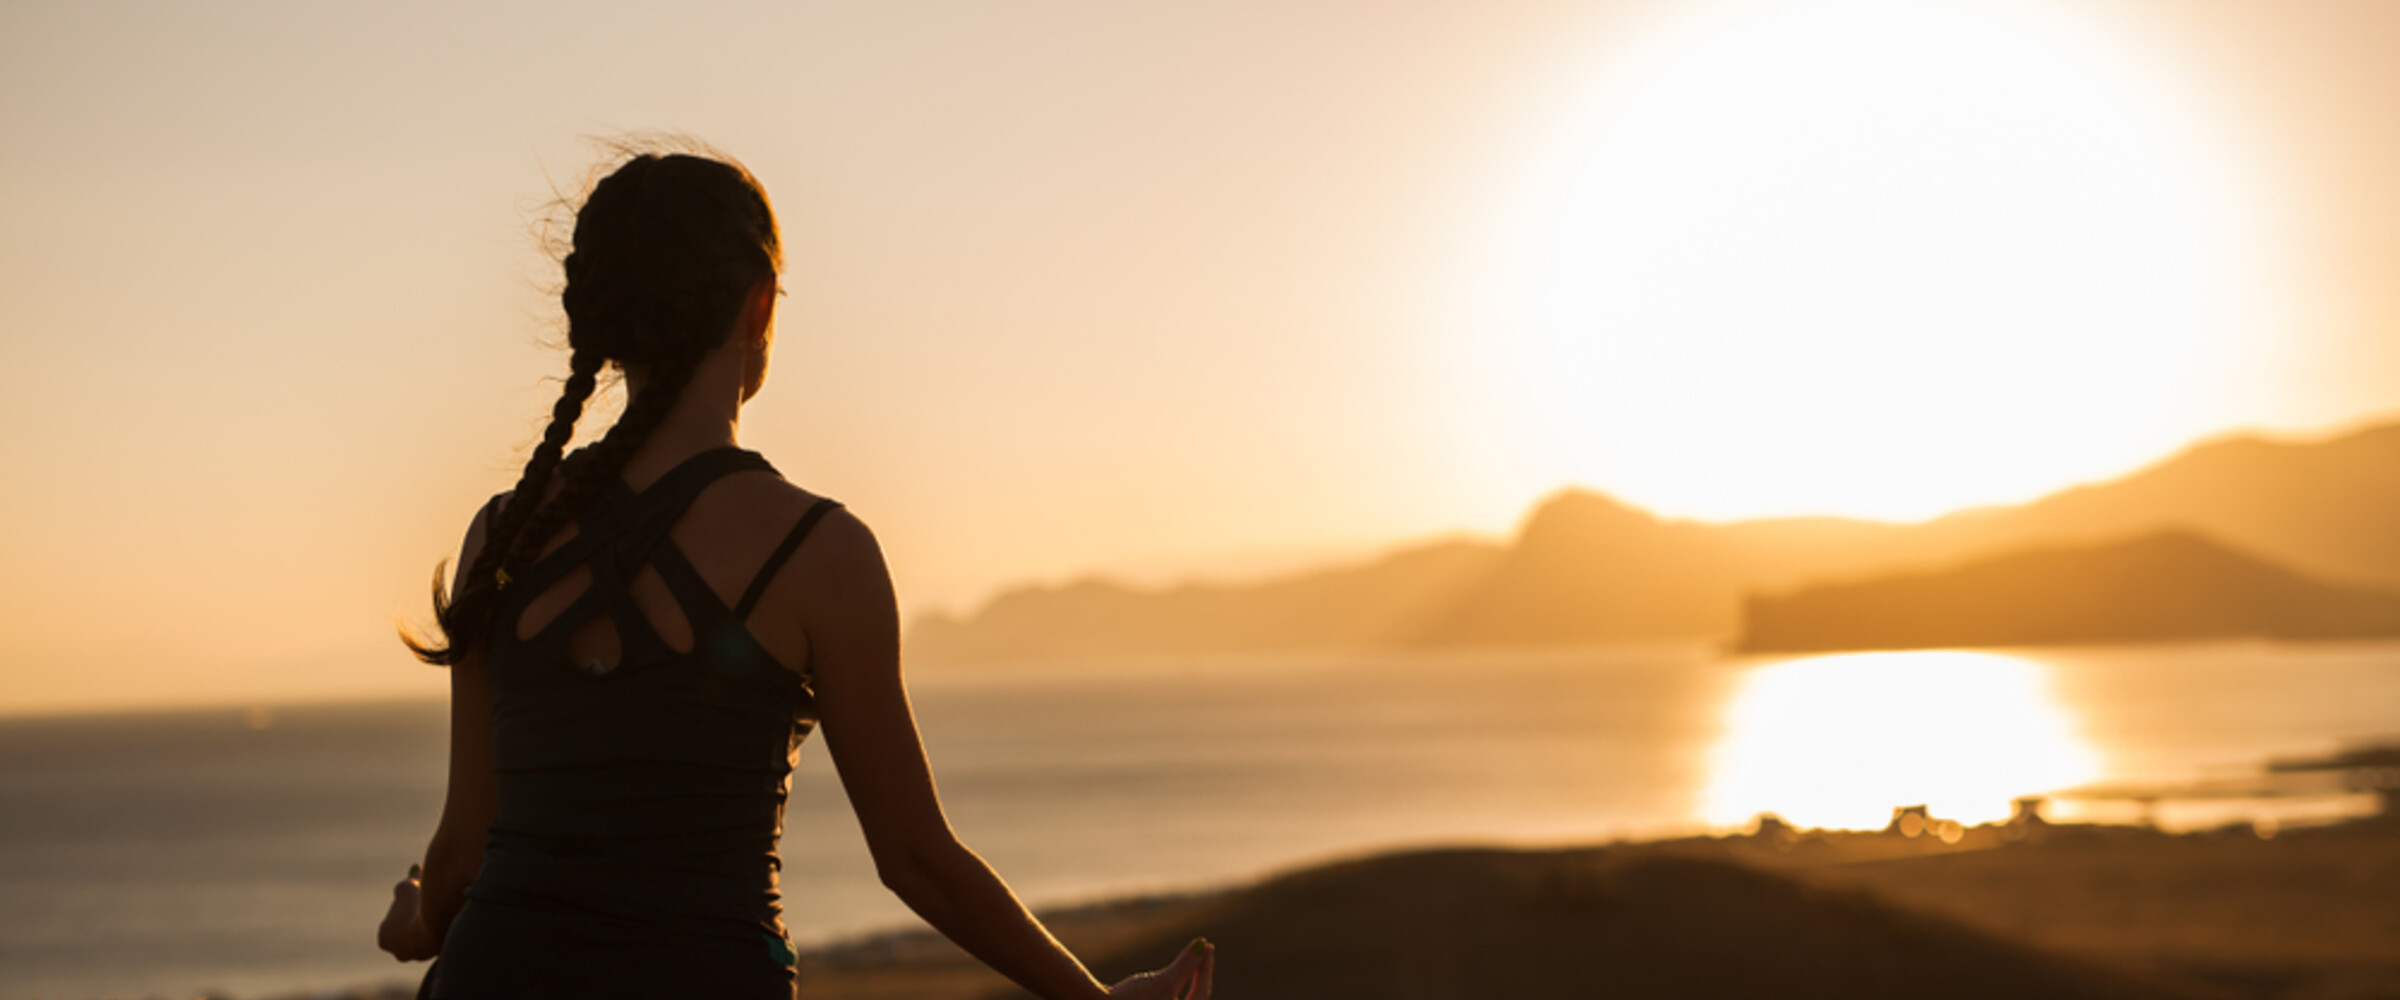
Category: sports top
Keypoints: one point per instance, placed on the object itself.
(634, 845)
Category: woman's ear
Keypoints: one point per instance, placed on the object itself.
(758, 310)
(756, 328)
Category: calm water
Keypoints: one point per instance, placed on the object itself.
(163, 854)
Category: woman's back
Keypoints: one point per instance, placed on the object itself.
(643, 740)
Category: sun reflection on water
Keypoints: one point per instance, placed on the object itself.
(1839, 741)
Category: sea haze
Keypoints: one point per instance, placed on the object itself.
(252, 853)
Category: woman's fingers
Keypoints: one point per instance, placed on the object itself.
(1204, 980)
(1180, 971)
(1172, 982)
(1183, 974)
(1185, 978)
(402, 926)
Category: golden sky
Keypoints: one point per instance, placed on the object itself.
(1152, 286)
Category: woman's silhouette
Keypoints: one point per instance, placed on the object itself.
(640, 635)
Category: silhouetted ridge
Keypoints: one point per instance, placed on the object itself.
(1588, 568)
(2323, 508)
(2170, 585)
(1366, 606)
(1584, 567)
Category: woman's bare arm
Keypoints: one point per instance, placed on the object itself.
(424, 904)
(455, 856)
(846, 603)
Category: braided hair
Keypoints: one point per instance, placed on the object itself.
(665, 248)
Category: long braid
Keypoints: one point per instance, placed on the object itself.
(469, 611)
(664, 249)
(534, 483)
(595, 467)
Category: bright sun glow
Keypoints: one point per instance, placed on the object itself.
(1876, 257)
(1839, 741)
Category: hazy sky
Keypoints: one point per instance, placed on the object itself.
(1149, 286)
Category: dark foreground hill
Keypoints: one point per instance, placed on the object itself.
(1478, 924)
(1588, 568)
(2064, 911)
(2166, 586)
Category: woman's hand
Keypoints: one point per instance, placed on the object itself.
(1187, 978)
(403, 932)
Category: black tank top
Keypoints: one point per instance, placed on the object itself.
(640, 804)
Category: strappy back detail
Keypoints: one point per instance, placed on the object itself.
(644, 798)
(618, 536)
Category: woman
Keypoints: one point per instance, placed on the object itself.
(639, 637)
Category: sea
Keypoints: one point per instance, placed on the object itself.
(249, 851)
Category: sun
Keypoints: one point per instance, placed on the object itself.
(1884, 258)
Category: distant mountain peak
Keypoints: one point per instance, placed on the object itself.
(1581, 509)
(1585, 566)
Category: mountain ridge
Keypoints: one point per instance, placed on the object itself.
(2166, 586)
(1586, 567)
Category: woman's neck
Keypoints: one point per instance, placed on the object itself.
(706, 415)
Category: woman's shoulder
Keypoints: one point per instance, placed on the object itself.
(836, 571)
(761, 495)
(479, 528)
(771, 506)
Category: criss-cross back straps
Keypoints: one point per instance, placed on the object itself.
(632, 524)
(623, 528)
(791, 543)
(655, 509)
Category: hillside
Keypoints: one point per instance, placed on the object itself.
(1587, 568)
(1595, 922)
(2058, 911)
(2165, 586)
(1375, 604)
(2322, 508)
